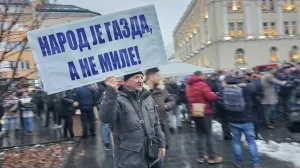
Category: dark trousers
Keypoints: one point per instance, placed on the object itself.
(68, 127)
(87, 117)
(157, 165)
(204, 136)
(40, 109)
(50, 109)
(166, 130)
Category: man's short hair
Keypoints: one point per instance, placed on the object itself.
(198, 73)
(152, 71)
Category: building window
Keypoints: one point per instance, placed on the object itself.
(270, 29)
(286, 28)
(13, 46)
(236, 29)
(294, 28)
(231, 30)
(21, 65)
(274, 54)
(294, 54)
(268, 5)
(240, 56)
(289, 5)
(234, 5)
(14, 26)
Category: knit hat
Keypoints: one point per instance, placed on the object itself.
(126, 77)
(237, 74)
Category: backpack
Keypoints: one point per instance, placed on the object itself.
(233, 98)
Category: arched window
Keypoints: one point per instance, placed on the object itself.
(273, 53)
(294, 54)
(240, 56)
(199, 62)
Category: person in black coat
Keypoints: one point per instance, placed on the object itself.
(64, 104)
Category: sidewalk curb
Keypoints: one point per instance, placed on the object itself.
(70, 154)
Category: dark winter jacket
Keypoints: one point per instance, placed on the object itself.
(181, 94)
(249, 96)
(172, 88)
(199, 92)
(64, 103)
(214, 84)
(164, 101)
(120, 110)
(86, 96)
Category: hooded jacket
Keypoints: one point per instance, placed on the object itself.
(199, 92)
(249, 96)
(163, 100)
(120, 109)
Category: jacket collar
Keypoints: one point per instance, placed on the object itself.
(158, 89)
(124, 91)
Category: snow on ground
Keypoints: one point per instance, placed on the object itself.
(289, 152)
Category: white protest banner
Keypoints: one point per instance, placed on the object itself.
(87, 51)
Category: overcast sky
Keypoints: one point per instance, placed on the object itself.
(168, 11)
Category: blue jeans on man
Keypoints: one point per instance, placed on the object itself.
(247, 129)
(105, 133)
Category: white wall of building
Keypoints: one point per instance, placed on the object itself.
(212, 36)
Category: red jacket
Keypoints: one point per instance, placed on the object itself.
(199, 92)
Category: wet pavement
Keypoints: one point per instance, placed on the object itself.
(182, 154)
(40, 135)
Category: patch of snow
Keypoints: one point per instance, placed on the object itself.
(2, 153)
(70, 148)
(289, 152)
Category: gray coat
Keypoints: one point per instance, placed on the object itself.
(268, 82)
(120, 110)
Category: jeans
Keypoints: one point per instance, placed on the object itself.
(185, 110)
(87, 116)
(175, 113)
(11, 123)
(274, 113)
(204, 133)
(268, 109)
(248, 130)
(105, 133)
(28, 124)
(68, 127)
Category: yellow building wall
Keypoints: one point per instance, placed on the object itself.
(26, 55)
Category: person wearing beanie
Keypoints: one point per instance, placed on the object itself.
(165, 102)
(237, 99)
(131, 111)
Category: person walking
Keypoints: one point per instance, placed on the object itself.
(164, 101)
(50, 109)
(237, 98)
(270, 97)
(85, 99)
(135, 124)
(199, 92)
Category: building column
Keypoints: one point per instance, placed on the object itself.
(279, 24)
(202, 30)
(298, 16)
(247, 13)
(225, 19)
(210, 26)
(259, 18)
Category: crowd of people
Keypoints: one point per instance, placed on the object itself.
(144, 110)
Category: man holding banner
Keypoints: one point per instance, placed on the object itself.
(139, 140)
